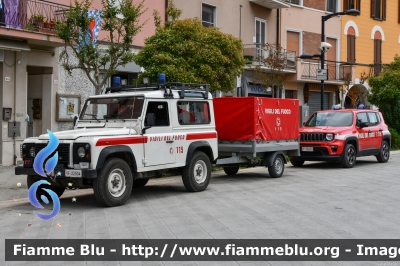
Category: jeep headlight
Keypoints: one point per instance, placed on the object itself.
(32, 151)
(329, 137)
(81, 152)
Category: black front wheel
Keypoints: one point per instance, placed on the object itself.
(296, 163)
(113, 185)
(349, 156)
(277, 168)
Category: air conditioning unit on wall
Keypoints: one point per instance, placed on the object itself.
(1, 55)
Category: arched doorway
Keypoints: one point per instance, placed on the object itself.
(356, 95)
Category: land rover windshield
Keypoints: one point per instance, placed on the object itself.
(331, 119)
(112, 108)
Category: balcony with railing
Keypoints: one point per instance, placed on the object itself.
(272, 4)
(256, 54)
(336, 71)
(32, 15)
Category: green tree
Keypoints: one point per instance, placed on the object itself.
(186, 51)
(386, 93)
(121, 24)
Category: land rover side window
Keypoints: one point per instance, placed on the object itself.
(373, 119)
(157, 114)
(112, 108)
(190, 113)
(361, 118)
(332, 119)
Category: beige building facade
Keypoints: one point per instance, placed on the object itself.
(296, 26)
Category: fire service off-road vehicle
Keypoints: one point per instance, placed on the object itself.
(131, 134)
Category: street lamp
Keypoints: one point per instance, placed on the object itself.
(354, 12)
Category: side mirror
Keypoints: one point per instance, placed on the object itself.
(364, 124)
(75, 119)
(144, 129)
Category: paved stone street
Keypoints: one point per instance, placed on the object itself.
(318, 200)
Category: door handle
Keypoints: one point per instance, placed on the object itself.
(381, 130)
(369, 131)
(170, 141)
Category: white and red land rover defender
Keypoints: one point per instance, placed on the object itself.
(130, 134)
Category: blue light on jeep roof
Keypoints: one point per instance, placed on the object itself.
(161, 78)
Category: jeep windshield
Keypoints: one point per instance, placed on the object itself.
(330, 119)
(112, 108)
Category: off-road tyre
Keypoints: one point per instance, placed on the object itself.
(197, 174)
(113, 184)
(384, 155)
(30, 179)
(349, 156)
(278, 167)
(296, 163)
(141, 182)
(231, 170)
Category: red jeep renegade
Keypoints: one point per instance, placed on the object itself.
(343, 135)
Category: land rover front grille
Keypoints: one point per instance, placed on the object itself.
(63, 151)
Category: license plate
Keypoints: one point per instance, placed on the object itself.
(73, 173)
(307, 149)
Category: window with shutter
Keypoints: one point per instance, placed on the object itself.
(378, 9)
(331, 6)
(377, 56)
(351, 48)
(351, 4)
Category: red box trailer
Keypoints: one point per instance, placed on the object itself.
(256, 131)
(256, 118)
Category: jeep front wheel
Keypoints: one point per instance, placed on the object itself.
(349, 156)
(296, 163)
(113, 185)
(196, 175)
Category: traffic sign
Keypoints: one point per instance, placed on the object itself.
(322, 74)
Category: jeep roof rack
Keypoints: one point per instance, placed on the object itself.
(184, 89)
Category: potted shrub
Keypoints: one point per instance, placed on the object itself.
(53, 24)
(38, 20)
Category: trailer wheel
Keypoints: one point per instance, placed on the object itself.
(39, 192)
(231, 170)
(141, 182)
(277, 167)
(196, 175)
(113, 185)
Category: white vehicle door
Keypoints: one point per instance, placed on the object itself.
(159, 146)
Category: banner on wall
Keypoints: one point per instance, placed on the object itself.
(95, 17)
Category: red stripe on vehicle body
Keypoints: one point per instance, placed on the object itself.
(121, 141)
(208, 135)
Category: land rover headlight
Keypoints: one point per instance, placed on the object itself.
(81, 152)
(32, 151)
(329, 137)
